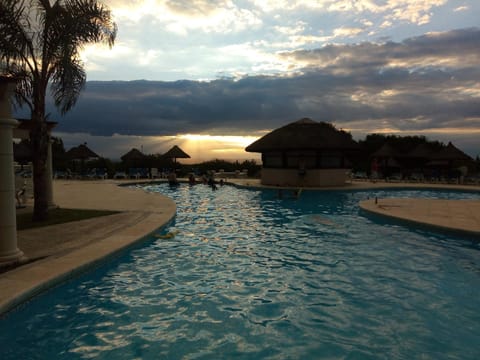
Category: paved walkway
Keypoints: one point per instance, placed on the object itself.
(462, 216)
(62, 250)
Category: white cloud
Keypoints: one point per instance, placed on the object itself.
(413, 11)
(275, 5)
(180, 17)
(298, 28)
(346, 32)
(187, 39)
(148, 57)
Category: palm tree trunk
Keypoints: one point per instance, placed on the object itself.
(39, 137)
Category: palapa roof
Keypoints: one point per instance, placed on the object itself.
(304, 134)
(81, 152)
(176, 153)
(133, 154)
(450, 152)
(421, 151)
(385, 151)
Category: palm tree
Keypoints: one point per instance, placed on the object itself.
(40, 45)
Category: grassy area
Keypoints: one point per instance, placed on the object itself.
(59, 216)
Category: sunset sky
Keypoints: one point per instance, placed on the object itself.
(203, 74)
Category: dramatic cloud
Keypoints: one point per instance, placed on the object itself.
(241, 67)
(179, 39)
(420, 85)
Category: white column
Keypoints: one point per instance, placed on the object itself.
(9, 251)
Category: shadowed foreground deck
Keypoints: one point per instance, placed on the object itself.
(62, 250)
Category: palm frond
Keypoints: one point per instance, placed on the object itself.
(93, 22)
(68, 80)
(40, 43)
(16, 43)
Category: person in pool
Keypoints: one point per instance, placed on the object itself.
(212, 182)
(172, 179)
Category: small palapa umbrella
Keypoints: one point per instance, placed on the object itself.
(132, 155)
(450, 153)
(133, 158)
(81, 152)
(176, 153)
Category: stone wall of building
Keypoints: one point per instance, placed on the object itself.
(311, 178)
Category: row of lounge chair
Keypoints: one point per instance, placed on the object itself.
(419, 178)
(141, 173)
(231, 174)
(95, 173)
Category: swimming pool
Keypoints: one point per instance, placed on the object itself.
(244, 274)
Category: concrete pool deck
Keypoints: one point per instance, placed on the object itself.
(461, 216)
(60, 251)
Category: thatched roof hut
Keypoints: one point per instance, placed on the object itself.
(132, 155)
(421, 151)
(304, 153)
(81, 152)
(385, 151)
(450, 153)
(387, 158)
(304, 134)
(175, 153)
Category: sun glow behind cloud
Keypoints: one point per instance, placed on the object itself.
(208, 147)
(199, 147)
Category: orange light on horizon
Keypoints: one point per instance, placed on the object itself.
(203, 147)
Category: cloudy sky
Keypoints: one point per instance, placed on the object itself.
(212, 76)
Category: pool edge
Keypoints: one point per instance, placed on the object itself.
(433, 214)
(21, 284)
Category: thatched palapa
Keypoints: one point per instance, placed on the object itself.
(305, 153)
(81, 152)
(450, 153)
(304, 134)
(176, 153)
(132, 155)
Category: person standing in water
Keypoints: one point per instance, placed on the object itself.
(172, 179)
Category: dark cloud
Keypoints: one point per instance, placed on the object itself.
(423, 83)
(457, 48)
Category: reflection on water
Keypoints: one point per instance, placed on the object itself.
(246, 274)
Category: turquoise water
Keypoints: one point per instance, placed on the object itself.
(243, 274)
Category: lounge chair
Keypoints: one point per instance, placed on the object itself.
(120, 175)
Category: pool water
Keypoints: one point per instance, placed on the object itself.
(245, 274)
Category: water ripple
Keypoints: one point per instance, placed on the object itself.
(247, 275)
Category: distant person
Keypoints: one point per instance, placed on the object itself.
(191, 179)
(172, 179)
(20, 195)
(212, 183)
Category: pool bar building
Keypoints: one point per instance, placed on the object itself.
(305, 153)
